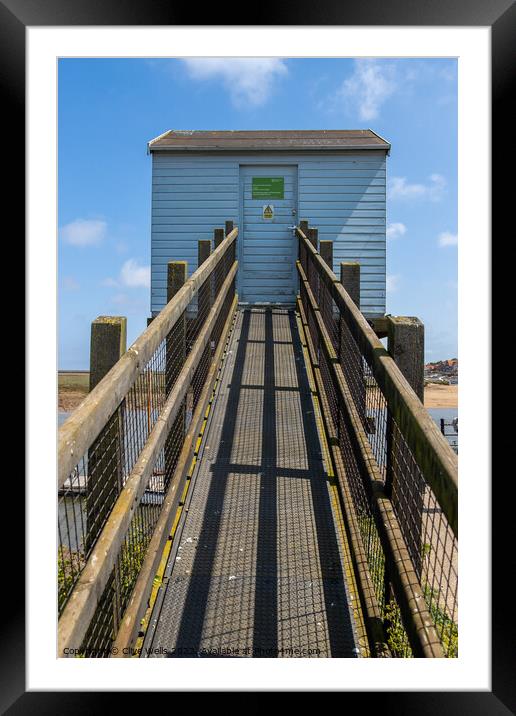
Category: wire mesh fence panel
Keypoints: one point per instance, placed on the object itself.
(86, 498)
(429, 539)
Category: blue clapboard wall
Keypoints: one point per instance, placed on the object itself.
(342, 194)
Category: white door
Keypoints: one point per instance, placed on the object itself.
(267, 247)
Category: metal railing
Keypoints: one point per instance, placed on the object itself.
(122, 457)
(398, 475)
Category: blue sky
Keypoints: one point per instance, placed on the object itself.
(109, 108)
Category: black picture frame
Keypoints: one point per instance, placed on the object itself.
(500, 15)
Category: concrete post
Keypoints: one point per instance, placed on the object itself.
(106, 455)
(177, 272)
(405, 343)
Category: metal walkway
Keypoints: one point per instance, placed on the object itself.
(322, 505)
(256, 565)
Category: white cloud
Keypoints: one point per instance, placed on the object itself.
(135, 276)
(392, 282)
(84, 232)
(395, 230)
(447, 238)
(370, 85)
(132, 275)
(400, 188)
(249, 80)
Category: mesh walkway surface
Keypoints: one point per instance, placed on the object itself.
(256, 568)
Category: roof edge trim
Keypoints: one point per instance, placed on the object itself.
(335, 148)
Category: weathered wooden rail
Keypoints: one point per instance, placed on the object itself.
(132, 459)
(398, 475)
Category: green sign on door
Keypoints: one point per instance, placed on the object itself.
(268, 188)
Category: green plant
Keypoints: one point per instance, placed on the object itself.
(447, 629)
(132, 557)
(397, 639)
(69, 566)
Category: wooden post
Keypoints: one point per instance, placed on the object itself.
(229, 227)
(313, 237)
(405, 343)
(177, 272)
(107, 346)
(105, 456)
(205, 297)
(326, 303)
(326, 251)
(350, 356)
(350, 279)
(204, 303)
(203, 251)
(312, 276)
(218, 237)
(303, 225)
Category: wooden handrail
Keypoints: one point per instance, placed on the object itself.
(431, 451)
(80, 608)
(409, 595)
(79, 431)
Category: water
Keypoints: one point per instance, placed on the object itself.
(448, 414)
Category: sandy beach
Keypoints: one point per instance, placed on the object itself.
(436, 396)
(68, 400)
(441, 396)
